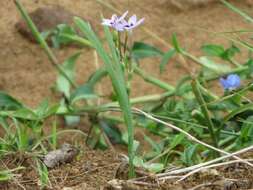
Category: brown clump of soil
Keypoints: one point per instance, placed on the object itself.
(45, 19)
(90, 170)
(93, 170)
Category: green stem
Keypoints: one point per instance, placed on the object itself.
(144, 99)
(77, 39)
(97, 76)
(234, 62)
(193, 124)
(109, 106)
(236, 70)
(125, 44)
(216, 75)
(224, 142)
(153, 80)
(119, 46)
(203, 106)
(42, 42)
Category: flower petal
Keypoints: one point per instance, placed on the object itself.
(231, 82)
(123, 16)
(107, 22)
(114, 17)
(139, 22)
(119, 27)
(132, 20)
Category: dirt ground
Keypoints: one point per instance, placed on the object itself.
(27, 74)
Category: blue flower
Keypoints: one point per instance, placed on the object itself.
(230, 82)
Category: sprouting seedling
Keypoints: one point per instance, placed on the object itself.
(230, 82)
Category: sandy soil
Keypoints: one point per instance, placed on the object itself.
(27, 74)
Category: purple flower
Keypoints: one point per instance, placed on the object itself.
(230, 82)
(118, 23)
(133, 23)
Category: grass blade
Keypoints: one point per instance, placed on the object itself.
(113, 67)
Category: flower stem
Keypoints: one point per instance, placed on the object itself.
(203, 106)
(119, 46)
(153, 80)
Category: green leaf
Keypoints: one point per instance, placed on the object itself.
(6, 175)
(241, 109)
(176, 44)
(22, 113)
(188, 155)
(75, 39)
(72, 120)
(230, 52)
(43, 174)
(141, 50)
(154, 145)
(7, 102)
(64, 29)
(112, 64)
(246, 133)
(68, 67)
(178, 139)
(97, 76)
(83, 92)
(238, 11)
(154, 167)
(166, 57)
(43, 107)
(25, 114)
(213, 50)
(138, 161)
(111, 131)
(211, 65)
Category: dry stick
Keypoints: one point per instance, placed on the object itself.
(210, 166)
(96, 64)
(201, 185)
(183, 170)
(189, 136)
(228, 155)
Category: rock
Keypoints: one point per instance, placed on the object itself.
(45, 18)
(63, 155)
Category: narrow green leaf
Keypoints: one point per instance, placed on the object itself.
(142, 50)
(82, 92)
(166, 57)
(68, 67)
(213, 50)
(8, 102)
(154, 167)
(113, 66)
(178, 139)
(188, 155)
(238, 11)
(211, 65)
(176, 44)
(238, 111)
